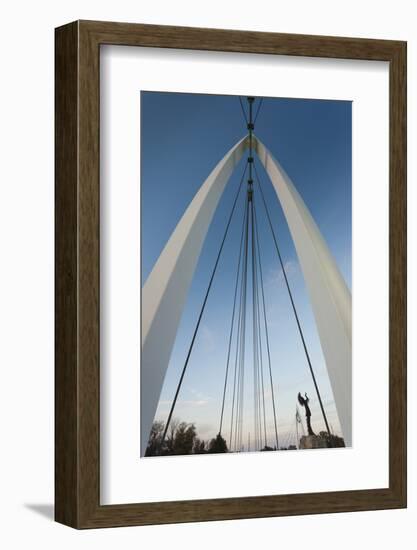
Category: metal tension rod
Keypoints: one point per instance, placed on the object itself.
(251, 127)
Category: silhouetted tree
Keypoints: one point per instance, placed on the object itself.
(155, 438)
(199, 446)
(218, 445)
(184, 439)
(170, 437)
(181, 439)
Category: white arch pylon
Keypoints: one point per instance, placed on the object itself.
(329, 295)
(165, 290)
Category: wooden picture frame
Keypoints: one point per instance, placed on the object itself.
(77, 359)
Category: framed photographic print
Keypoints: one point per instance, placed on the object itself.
(230, 274)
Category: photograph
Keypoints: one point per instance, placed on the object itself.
(246, 274)
(208, 263)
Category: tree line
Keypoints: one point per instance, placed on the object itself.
(181, 439)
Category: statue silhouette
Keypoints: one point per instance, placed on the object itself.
(304, 402)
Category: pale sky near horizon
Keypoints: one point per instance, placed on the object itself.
(183, 136)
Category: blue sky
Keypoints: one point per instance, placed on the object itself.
(183, 136)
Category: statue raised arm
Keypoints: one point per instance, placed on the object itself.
(304, 403)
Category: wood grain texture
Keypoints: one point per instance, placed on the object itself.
(78, 286)
(66, 237)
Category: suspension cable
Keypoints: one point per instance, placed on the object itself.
(236, 377)
(266, 329)
(243, 110)
(259, 391)
(293, 304)
(202, 310)
(258, 321)
(255, 344)
(239, 426)
(259, 108)
(232, 321)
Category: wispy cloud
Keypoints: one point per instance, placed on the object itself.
(207, 339)
(198, 394)
(292, 269)
(186, 402)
